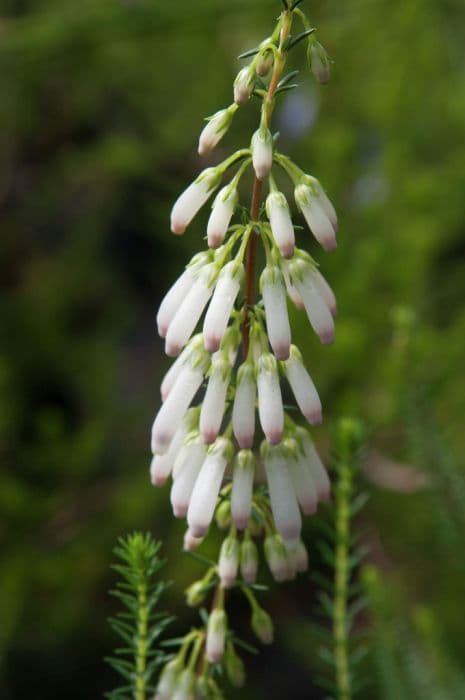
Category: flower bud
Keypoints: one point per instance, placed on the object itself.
(243, 417)
(185, 685)
(244, 85)
(168, 679)
(196, 593)
(276, 558)
(303, 387)
(298, 556)
(162, 464)
(173, 300)
(315, 215)
(241, 495)
(318, 313)
(291, 290)
(187, 466)
(277, 210)
(211, 414)
(264, 63)
(262, 152)
(215, 129)
(223, 515)
(249, 561)
(270, 403)
(277, 320)
(190, 542)
(228, 562)
(325, 292)
(221, 305)
(207, 487)
(234, 667)
(220, 217)
(319, 62)
(283, 499)
(193, 198)
(216, 635)
(304, 485)
(262, 625)
(315, 465)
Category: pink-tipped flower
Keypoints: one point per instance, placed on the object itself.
(241, 495)
(188, 464)
(244, 85)
(211, 414)
(222, 210)
(284, 504)
(315, 215)
(304, 485)
(262, 152)
(193, 198)
(277, 320)
(270, 402)
(303, 387)
(188, 314)
(249, 561)
(216, 635)
(279, 215)
(190, 543)
(325, 292)
(215, 129)
(294, 295)
(319, 315)
(228, 563)
(319, 62)
(243, 417)
(207, 487)
(276, 558)
(221, 305)
(315, 465)
(162, 464)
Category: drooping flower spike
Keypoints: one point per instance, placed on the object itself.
(235, 452)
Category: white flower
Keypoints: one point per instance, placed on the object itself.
(299, 556)
(207, 487)
(185, 686)
(282, 228)
(188, 314)
(187, 468)
(168, 679)
(262, 152)
(190, 542)
(304, 484)
(284, 504)
(315, 465)
(211, 414)
(193, 198)
(318, 313)
(162, 464)
(276, 558)
(215, 129)
(322, 199)
(242, 487)
(173, 300)
(228, 563)
(216, 635)
(270, 403)
(277, 320)
(221, 305)
(291, 290)
(249, 561)
(315, 215)
(243, 417)
(303, 387)
(222, 210)
(244, 85)
(325, 291)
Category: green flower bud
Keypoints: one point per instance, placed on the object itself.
(262, 625)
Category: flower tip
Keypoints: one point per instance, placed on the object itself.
(198, 530)
(172, 349)
(177, 227)
(287, 251)
(158, 479)
(274, 436)
(180, 510)
(214, 241)
(315, 417)
(282, 351)
(209, 435)
(212, 342)
(240, 521)
(329, 244)
(327, 337)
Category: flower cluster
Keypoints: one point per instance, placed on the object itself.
(235, 353)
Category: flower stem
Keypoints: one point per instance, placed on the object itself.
(142, 642)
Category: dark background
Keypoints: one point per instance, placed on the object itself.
(101, 104)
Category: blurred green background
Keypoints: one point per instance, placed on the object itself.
(101, 106)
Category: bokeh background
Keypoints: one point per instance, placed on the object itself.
(101, 106)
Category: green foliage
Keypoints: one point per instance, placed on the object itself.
(139, 624)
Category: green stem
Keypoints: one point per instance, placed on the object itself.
(141, 642)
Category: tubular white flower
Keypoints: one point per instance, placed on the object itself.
(242, 487)
(162, 464)
(171, 413)
(303, 387)
(318, 313)
(249, 561)
(173, 300)
(315, 216)
(221, 305)
(223, 208)
(277, 320)
(270, 403)
(262, 152)
(284, 504)
(315, 465)
(276, 558)
(211, 414)
(188, 463)
(243, 417)
(323, 199)
(168, 679)
(193, 198)
(325, 292)
(304, 484)
(244, 85)
(215, 129)
(207, 487)
(300, 557)
(188, 314)
(282, 228)
(193, 351)
(190, 542)
(291, 290)
(228, 563)
(185, 686)
(216, 635)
